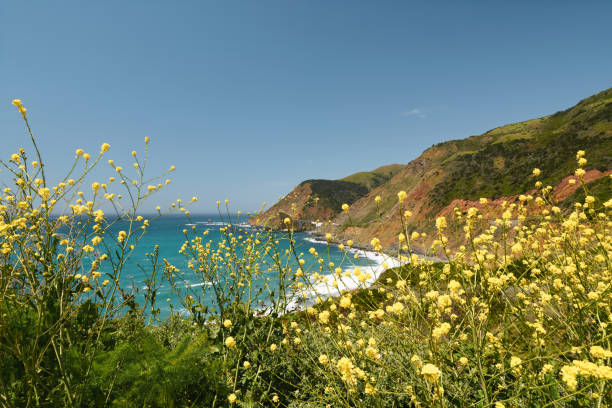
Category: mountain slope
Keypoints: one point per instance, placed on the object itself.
(495, 165)
(321, 200)
(374, 178)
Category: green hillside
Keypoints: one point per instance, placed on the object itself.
(498, 164)
(333, 193)
(319, 199)
(494, 164)
(601, 189)
(374, 178)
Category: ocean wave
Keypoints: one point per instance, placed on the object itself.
(362, 253)
(223, 224)
(183, 312)
(145, 287)
(213, 223)
(195, 285)
(314, 240)
(324, 288)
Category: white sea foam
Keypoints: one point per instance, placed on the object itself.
(315, 240)
(324, 289)
(195, 285)
(223, 224)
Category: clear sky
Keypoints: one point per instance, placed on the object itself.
(248, 98)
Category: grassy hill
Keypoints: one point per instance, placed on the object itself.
(333, 193)
(506, 154)
(374, 178)
(494, 165)
(321, 200)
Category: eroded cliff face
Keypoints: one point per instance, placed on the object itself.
(388, 225)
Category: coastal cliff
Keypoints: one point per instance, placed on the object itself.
(456, 174)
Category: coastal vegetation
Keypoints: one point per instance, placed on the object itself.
(515, 312)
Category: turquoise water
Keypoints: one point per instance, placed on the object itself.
(167, 232)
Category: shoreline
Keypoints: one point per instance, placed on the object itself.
(324, 287)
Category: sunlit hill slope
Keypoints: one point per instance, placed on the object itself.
(495, 165)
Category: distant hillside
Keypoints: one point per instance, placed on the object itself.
(321, 200)
(374, 178)
(495, 165)
(333, 193)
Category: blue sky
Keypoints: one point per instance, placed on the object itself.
(248, 98)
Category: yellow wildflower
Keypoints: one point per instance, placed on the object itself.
(440, 223)
(345, 367)
(401, 196)
(431, 373)
(324, 317)
(440, 331)
(230, 342)
(345, 302)
(515, 363)
(600, 352)
(372, 353)
(369, 389)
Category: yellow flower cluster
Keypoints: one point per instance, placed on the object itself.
(583, 368)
